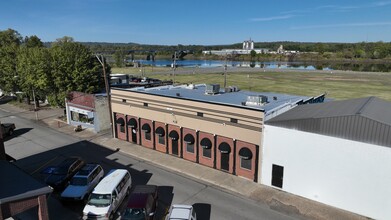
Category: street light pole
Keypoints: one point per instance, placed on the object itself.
(173, 68)
(225, 72)
(102, 62)
(35, 106)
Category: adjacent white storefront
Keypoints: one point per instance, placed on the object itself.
(350, 175)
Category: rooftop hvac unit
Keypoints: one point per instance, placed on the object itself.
(256, 100)
(231, 89)
(212, 89)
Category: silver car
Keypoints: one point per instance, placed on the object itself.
(83, 182)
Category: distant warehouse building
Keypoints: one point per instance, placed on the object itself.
(221, 129)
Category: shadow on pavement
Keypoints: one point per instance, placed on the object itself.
(90, 152)
(202, 210)
(166, 195)
(17, 132)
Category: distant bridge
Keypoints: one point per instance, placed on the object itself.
(150, 54)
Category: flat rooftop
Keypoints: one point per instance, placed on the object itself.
(236, 98)
(16, 184)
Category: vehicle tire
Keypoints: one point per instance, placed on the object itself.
(111, 216)
(85, 199)
(10, 132)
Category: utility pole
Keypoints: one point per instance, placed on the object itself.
(173, 68)
(2, 149)
(225, 72)
(35, 106)
(102, 62)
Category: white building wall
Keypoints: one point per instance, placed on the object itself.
(102, 119)
(346, 174)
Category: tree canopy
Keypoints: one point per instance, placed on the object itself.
(27, 66)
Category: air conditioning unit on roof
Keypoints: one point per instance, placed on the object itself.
(212, 89)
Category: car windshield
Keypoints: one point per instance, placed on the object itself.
(134, 214)
(79, 181)
(99, 200)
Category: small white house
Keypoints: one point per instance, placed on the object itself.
(88, 110)
(337, 153)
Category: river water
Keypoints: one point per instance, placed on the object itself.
(365, 67)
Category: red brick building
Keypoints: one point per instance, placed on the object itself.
(199, 123)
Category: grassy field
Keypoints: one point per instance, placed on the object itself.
(338, 85)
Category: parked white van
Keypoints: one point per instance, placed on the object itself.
(108, 195)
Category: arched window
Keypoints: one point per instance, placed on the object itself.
(206, 145)
(245, 155)
(189, 140)
(147, 131)
(160, 133)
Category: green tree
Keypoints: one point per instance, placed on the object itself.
(359, 53)
(65, 39)
(33, 41)
(34, 72)
(74, 68)
(253, 54)
(10, 41)
(119, 57)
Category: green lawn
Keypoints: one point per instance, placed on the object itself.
(339, 85)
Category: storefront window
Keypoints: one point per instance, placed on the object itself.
(207, 152)
(78, 117)
(190, 147)
(161, 139)
(147, 135)
(245, 163)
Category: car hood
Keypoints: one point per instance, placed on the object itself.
(74, 191)
(93, 210)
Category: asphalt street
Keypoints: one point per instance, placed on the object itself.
(35, 146)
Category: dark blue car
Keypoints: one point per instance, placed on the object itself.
(58, 176)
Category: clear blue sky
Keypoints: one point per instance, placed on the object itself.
(200, 22)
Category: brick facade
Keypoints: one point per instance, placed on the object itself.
(144, 141)
(160, 146)
(208, 122)
(250, 174)
(16, 207)
(121, 133)
(171, 141)
(214, 161)
(210, 162)
(133, 132)
(192, 156)
(231, 154)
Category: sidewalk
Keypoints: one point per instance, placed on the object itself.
(280, 201)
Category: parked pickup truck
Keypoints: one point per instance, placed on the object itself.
(7, 129)
(142, 203)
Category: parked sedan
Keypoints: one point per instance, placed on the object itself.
(142, 203)
(58, 176)
(185, 212)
